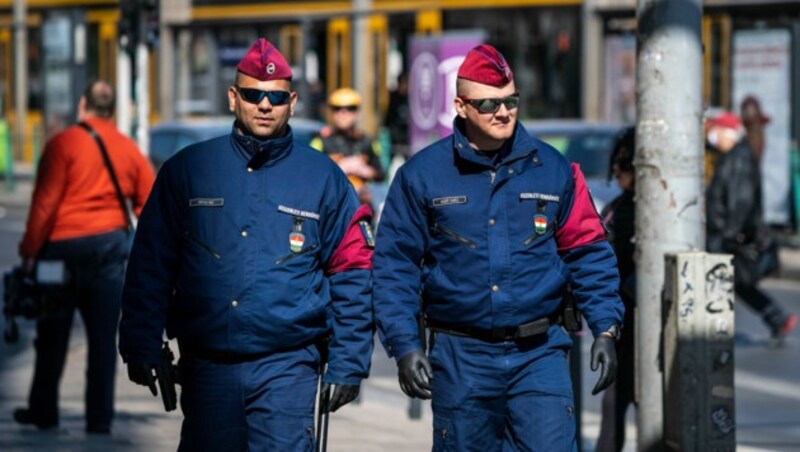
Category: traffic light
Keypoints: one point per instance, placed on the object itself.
(128, 28)
(138, 20)
(151, 25)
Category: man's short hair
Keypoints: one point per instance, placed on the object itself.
(100, 98)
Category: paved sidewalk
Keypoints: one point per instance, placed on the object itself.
(18, 195)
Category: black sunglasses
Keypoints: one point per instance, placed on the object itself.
(255, 96)
(350, 108)
(492, 104)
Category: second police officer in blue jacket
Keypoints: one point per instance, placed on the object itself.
(489, 225)
(251, 250)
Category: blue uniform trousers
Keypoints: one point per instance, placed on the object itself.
(96, 266)
(502, 396)
(260, 404)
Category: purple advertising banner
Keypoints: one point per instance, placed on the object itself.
(434, 62)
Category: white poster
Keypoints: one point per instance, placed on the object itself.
(762, 68)
(620, 78)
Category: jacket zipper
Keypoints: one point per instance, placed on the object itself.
(293, 255)
(453, 235)
(193, 238)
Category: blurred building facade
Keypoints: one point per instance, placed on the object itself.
(750, 48)
(571, 58)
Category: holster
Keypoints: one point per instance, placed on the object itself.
(571, 315)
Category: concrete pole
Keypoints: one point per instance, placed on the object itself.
(142, 96)
(669, 166)
(184, 77)
(166, 71)
(20, 73)
(123, 89)
(362, 63)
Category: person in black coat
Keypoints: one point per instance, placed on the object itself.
(734, 222)
(619, 219)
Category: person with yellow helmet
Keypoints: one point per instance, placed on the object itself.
(354, 151)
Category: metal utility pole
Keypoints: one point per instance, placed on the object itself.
(124, 87)
(669, 192)
(142, 95)
(20, 73)
(362, 70)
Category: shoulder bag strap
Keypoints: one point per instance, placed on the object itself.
(111, 173)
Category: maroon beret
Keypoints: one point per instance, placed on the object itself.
(485, 65)
(265, 62)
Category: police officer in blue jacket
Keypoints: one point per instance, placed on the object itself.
(251, 251)
(488, 226)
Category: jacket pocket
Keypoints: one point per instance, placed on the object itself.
(193, 238)
(290, 256)
(453, 235)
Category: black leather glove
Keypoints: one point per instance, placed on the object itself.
(603, 352)
(342, 395)
(142, 374)
(414, 371)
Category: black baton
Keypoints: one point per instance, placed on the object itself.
(322, 414)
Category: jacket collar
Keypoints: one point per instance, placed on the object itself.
(260, 153)
(521, 146)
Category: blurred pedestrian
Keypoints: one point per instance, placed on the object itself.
(754, 121)
(734, 222)
(487, 226)
(351, 148)
(252, 251)
(76, 219)
(619, 220)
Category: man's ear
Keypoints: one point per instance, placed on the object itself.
(231, 98)
(292, 103)
(82, 112)
(461, 107)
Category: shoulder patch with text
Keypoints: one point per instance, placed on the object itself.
(299, 213)
(540, 196)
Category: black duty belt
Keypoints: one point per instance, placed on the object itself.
(524, 331)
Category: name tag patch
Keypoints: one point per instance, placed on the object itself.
(206, 202)
(299, 213)
(540, 196)
(449, 201)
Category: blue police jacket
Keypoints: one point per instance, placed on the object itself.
(489, 241)
(246, 247)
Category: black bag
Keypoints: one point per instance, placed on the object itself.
(32, 296)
